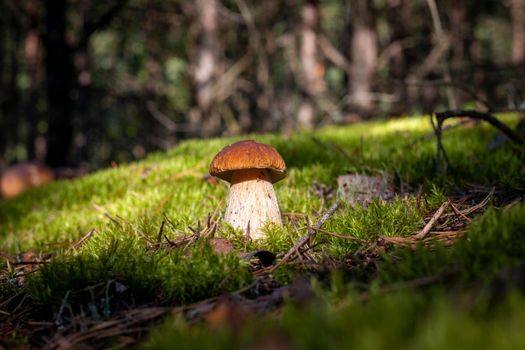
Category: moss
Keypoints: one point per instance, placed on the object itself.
(126, 206)
(400, 320)
(494, 241)
(401, 217)
(113, 259)
(171, 183)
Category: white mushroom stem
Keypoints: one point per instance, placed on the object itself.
(252, 202)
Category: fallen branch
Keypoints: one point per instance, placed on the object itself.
(459, 213)
(307, 237)
(433, 232)
(446, 238)
(480, 205)
(432, 221)
(489, 118)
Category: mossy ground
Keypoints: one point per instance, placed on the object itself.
(127, 205)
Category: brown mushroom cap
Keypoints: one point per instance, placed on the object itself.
(249, 154)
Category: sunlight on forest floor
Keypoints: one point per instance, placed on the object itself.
(126, 210)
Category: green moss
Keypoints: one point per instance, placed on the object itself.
(400, 320)
(494, 241)
(436, 197)
(171, 183)
(127, 205)
(401, 217)
(172, 276)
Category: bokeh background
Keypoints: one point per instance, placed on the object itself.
(84, 82)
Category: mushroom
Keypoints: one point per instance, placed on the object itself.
(251, 168)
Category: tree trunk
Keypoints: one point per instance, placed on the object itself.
(11, 104)
(397, 67)
(58, 75)
(363, 52)
(312, 69)
(206, 115)
(518, 35)
(32, 61)
(461, 30)
(32, 53)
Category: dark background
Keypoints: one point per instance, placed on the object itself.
(85, 82)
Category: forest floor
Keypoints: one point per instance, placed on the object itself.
(138, 255)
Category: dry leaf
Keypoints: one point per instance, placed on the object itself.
(221, 245)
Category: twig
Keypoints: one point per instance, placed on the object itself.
(413, 242)
(85, 238)
(161, 229)
(328, 233)
(460, 214)
(172, 244)
(513, 203)
(432, 221)
(473, 208)
(311, 232)
(113, 220)
(438, 130)
(481, 204)
(488, 117)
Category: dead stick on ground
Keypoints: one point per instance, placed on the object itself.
(85, 238)
(432, 221)
(311, 232)
(459, 214)
(480, 205)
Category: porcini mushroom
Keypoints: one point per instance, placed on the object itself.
(251, 168)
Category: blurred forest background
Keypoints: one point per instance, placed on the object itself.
(85, 82)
